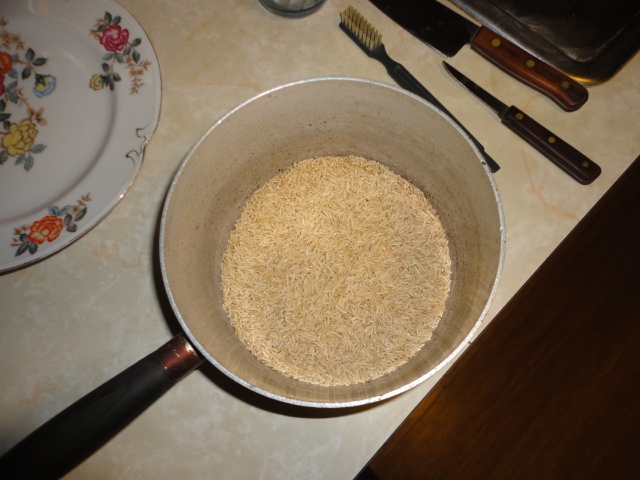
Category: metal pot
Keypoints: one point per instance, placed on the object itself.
(309, 119)
(326, 116)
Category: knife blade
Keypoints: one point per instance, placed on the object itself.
(562, 154)
(447, 32)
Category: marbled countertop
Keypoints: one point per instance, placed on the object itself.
(72, 321)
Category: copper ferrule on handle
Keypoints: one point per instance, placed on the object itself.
(178, 357)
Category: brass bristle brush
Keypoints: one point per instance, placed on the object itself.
(368, 36)
(370, 41)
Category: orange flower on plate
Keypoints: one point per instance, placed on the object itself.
(47, 229)
(6, 63)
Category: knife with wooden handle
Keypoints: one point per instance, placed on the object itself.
(574, 163)
(447, 32)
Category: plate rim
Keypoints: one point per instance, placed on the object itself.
(143, 135)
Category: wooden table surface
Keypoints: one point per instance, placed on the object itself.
(551, 389)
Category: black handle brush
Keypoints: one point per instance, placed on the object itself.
(370, 41)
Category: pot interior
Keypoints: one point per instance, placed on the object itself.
(331, 116)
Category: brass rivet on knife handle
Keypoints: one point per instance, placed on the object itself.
(562, 89)
(563, 155)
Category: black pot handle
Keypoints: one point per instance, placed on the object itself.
(75, 433)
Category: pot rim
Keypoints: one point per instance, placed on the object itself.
(369, 400)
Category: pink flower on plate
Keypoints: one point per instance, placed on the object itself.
(114, 38)
(2, 87)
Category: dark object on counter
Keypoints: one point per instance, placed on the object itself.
(292, 8)
(370, 41)
(563, 155)
(447, 32)
(589, 40)
(71, 436)
(550, 389)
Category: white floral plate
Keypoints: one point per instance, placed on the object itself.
(79, 100)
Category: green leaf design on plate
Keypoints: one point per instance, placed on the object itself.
(39, 148)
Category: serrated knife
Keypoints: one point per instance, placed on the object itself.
(574, 163)
(447, 32)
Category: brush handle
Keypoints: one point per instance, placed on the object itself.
(403, 78)
(407, 81)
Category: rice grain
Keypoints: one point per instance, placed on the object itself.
(336, 271)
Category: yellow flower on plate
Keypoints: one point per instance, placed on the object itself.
(96, 82)
(20, 137)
